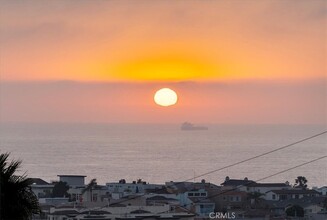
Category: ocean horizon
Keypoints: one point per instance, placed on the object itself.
(158, 153)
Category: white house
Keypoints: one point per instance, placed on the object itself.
(197, 201)
(131, 188)
(97, 194)
(322, 190)
(312, 209)
(54, 201)
(276, 195)
(265, 187)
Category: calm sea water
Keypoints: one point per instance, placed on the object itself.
(159, 153)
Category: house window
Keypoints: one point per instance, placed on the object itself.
(283, 197)
(237, 198)
(273, 196)
(190, 194)
(197, 194)
(203, 194)
(94, 197)
(296, 196)
(224, 198)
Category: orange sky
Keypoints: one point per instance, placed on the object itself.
(162, 40)
(101, 61)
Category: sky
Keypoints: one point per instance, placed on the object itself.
(232, 61)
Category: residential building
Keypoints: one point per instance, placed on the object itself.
(41, 188)
(161, 200)
(321, 190)
(276, 195)
(197, 201)
(232, 199)
(236, 184)
(265, 187)
(132, 188)
(73, 180)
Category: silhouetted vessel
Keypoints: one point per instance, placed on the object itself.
(186, 126)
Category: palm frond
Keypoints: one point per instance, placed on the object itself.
(90, 186)
(17, 199)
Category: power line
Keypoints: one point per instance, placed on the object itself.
(260, 155)
(234, 164)
(249, 183)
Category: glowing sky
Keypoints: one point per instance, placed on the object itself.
(235, 61)
(162, 40)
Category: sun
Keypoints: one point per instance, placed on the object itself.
(165, 97)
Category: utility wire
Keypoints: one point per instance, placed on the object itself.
(234, 164)
(249, 183)
(260, 155)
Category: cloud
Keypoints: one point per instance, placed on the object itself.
(82, 41)
(220, 102)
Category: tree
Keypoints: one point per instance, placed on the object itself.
(295, 211)
(254, 199)
(123, 181)
(17, 200)
(301, 182)
(90, 187)
(60, 189)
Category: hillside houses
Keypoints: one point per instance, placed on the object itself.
(241, 198)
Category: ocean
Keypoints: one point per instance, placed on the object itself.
(158, 153)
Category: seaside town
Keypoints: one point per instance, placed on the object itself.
(70, 197)
(106, 106)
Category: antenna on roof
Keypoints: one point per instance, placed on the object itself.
(194, 177)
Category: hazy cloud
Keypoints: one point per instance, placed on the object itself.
(221, 102)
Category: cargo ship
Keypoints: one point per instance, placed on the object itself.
(186, 126)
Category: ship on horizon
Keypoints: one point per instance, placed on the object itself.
(186, 126)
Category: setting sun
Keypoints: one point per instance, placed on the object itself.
(165, 97)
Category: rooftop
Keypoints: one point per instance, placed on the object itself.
(294, 191)
(161, 198)
(237, 182)
(95, 212)
(38, 181)
(158, 191)
(200, 200)
(268, 185)
(71, 175)
(233, 193)
(303, 202)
